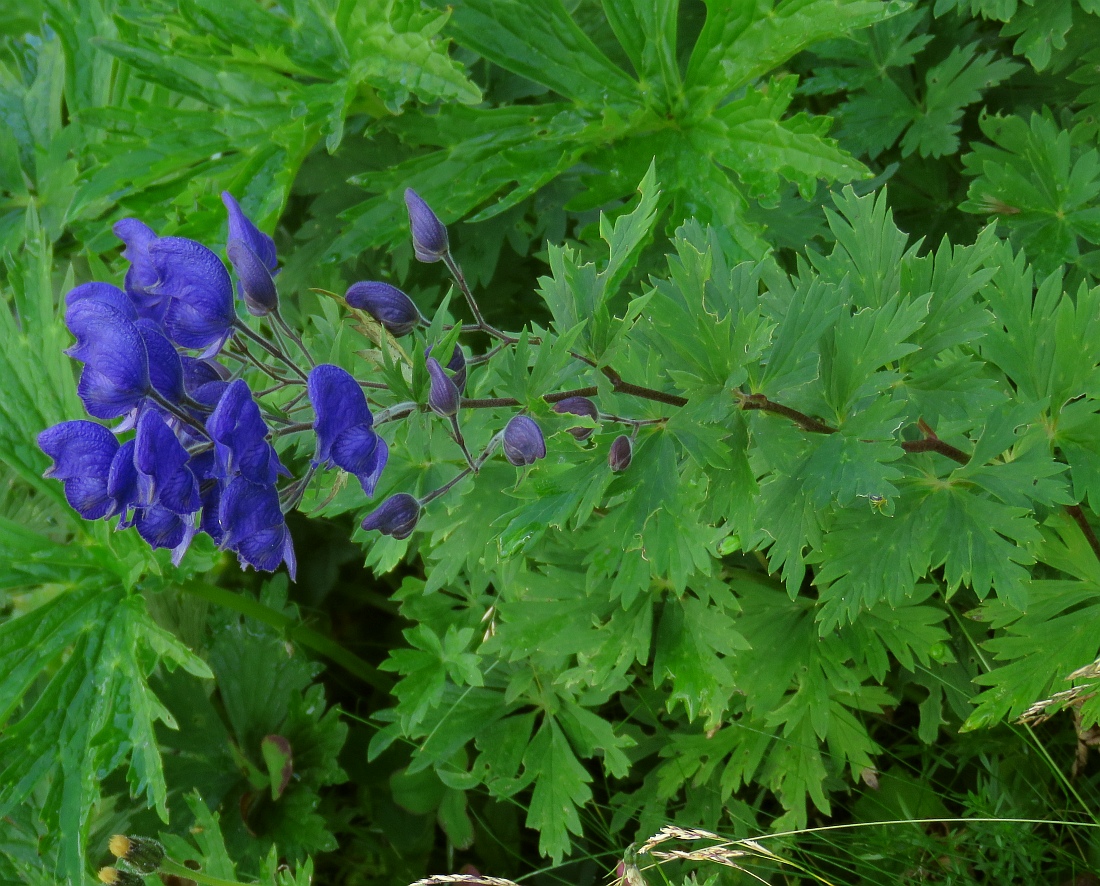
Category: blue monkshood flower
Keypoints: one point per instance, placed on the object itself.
(240, 438)
(164, 528)
(204, 382)
(211, 523)
(428, 232)
(164, 477)
(197, 373)
(200, 309)
(578, 406)
(102, 292)
(142, 276)
(123, 485)
(254, 283)
(386, 304)
(443, 394)
(523, 442)
(204, 465)
(165, 368)
(242, 228)
(115, 378)
(253, 526)
(396, 516)
(345, 426)
(82, 452)
(621, 453)
(456, 365)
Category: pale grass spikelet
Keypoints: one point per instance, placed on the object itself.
(672, 832)
(471, 879)
(723, 852)
(1075, 696)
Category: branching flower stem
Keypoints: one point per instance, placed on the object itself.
(246, 358)
(761, 402)
(250, 333)
(473, 467)
(460, 279)
(293, 336)
(633, 422)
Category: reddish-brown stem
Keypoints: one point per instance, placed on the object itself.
(624, 387)
(1079, 518)
(806, 422)
(494, 402)
(935, 444)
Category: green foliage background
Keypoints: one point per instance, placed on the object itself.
(879, 216)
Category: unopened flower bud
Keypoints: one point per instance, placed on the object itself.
(114, 877)
(523, 442)
(622, 450)
(142, 854)
(396, 516)
(578, 406)
(428, 232)
(443, 395)
(456, 365)
(256, 286)
(386, 304)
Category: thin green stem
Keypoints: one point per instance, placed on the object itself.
(290, 629)
(248, 332)
(460, 279)
(293, 336)
(168, 866)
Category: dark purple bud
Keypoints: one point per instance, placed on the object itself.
(622, 451)
(82, 452)
(344, 426)
(142, 277)
(386, 304)
(428, 233)
(578, 406)
(523, 442)
(456, 365)
(115, 378)
(253, 527)
(242, 228)
(443, 395)
(255, 286)
(200, 311)
(240, 438)
(396, 516)
(164, 477)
